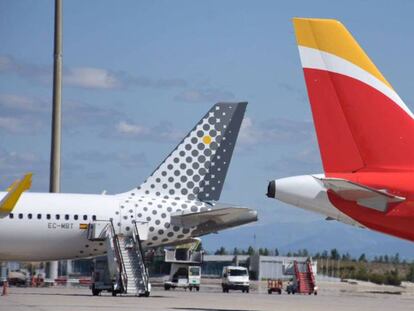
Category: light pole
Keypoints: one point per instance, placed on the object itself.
(54, 185)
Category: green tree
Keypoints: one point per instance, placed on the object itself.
(410, 274)
(396, 258)
(221, 251)
(361, 274)
(335, 254)
(362, 258)
(250, 251)
(392, 278)
(276, 252)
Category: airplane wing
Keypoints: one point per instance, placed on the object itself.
(214, 219)
(361, 194)
(14, 192)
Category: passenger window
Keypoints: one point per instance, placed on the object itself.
(57, 216)
(94, 217)
(11, 215)
(20, 216)
(29, 216)
(39, 216)
(66, 217)
(85, 217)
(75, 217)
(47, 216)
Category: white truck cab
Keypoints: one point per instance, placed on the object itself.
(235, 277)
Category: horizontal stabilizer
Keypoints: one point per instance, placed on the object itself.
(361, 194)
(220, 218)
(14, 192)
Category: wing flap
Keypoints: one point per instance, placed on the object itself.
(8, 203)
(361, 194)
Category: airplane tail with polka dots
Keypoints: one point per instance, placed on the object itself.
(197, 167)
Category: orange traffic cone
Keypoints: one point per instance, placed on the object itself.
(5, 286)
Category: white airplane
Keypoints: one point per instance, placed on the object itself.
(178, 201)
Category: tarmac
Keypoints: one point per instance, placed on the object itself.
(331, 296)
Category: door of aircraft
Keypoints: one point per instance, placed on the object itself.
(126, 219)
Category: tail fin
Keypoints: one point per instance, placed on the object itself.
(360, 120)
(198, 166)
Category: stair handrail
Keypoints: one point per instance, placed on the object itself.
(310, 271)
(297, 275)
(137, 241)
(118, 253)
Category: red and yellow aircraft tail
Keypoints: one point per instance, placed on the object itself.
(360, 121)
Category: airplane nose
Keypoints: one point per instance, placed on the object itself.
(271, 189)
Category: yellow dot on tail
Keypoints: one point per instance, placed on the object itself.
(207, 139)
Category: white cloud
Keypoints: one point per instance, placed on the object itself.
(129, 129)
(11, 125)
(88, 77)
(248, 133)
(20, 103)
(204, 95)
(274, 130)
(164, 131)
(85, 77)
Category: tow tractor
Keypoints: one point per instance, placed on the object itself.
(274, 286)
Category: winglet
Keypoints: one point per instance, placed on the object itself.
(14, 192)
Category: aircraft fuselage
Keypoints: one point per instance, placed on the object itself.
(46, 226)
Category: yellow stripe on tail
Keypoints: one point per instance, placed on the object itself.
(331, 36)
(8, 203)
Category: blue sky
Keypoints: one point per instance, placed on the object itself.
(139, 74)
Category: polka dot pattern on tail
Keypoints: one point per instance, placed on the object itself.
(203, 156)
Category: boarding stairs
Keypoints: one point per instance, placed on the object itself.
(125, 257)
(305, 278)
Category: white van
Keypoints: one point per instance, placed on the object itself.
(234, 277)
